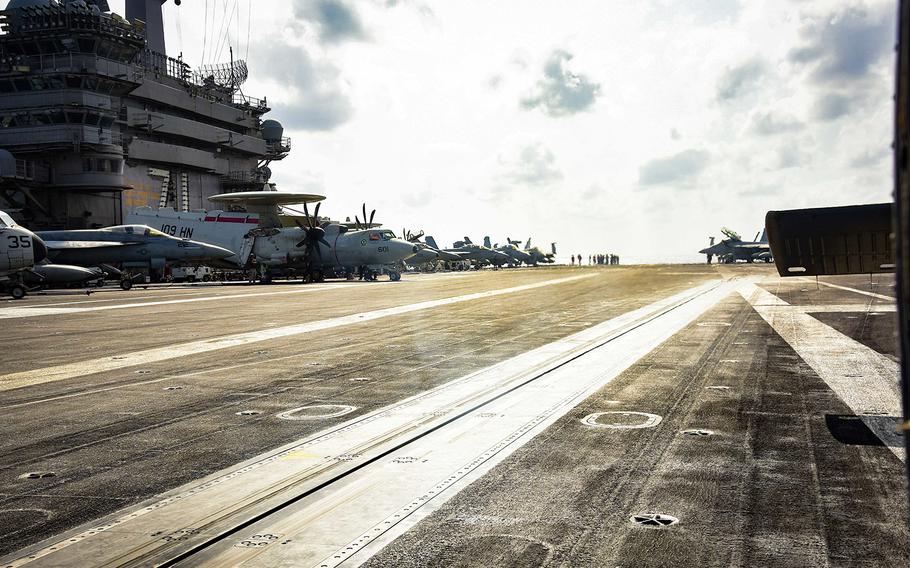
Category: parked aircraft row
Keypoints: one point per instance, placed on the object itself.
(255, 238)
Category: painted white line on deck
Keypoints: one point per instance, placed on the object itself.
(849, 289)
(523, 395)
(91, 366)
(27, 312)
(864, 379)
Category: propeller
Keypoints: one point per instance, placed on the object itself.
(411, 237)
(367, 221)
(313, 234)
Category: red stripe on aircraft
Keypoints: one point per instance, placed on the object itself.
(232, 220)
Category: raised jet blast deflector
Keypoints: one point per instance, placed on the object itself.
(832, 240)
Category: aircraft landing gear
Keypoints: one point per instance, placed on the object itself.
(17, 291)
(126, 284)
(394, 276)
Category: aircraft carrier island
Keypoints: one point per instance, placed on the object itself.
(96, 118)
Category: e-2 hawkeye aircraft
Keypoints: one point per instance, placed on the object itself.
(316, 248)
(20, 249)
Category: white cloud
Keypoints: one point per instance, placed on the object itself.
(668, 109)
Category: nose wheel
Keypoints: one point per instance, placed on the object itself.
(394, 276)
(17, 291)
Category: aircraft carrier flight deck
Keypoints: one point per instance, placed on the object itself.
(618, 416)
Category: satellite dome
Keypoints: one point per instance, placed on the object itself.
(17, 4)
(272, 131)
(7, 164)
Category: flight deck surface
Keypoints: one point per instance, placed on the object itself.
(513, 418)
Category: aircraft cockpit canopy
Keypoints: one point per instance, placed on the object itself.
(385, 235)
(6, 220)
(136, 230)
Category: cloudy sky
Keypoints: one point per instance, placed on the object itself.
(634, 127)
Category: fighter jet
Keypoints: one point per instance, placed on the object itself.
(733, 248)
(477, 254)
(20, 249)
(537, 255)
(427, 257)
(129, 245)
(510, 249)
(317, 248)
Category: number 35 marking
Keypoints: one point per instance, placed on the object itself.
(19, 242)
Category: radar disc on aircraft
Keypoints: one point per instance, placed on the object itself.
(272, 198)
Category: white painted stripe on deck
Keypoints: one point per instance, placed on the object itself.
(568, 371)
(70, 370)
(28, 312)
(849, 289)
(864, 379)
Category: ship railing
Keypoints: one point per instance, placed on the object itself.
(243, 177)
(164, 65)
(242, 100)
(58, 135)
(72, 62)
(281, 146)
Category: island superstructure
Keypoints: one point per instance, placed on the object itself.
(96, 119)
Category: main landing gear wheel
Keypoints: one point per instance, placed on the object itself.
(17, 292)
(394, 276)
(126, 284)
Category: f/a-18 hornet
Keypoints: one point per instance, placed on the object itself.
(733, 248)
(428, 257)
(477, 254)
(537, 255)
(511, 250)
(131, 246)
(316, 248)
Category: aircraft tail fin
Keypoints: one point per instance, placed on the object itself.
(528, 244)
(468, 241)
(553, 248)
(486, 242)
(432, 242)
(764, 236)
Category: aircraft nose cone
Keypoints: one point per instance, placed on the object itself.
(204, 250)
(402, 249)
(39, 249)
(217, 252)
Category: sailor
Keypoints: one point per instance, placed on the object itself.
(573, 260)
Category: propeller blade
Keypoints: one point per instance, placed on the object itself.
(365, 216)
(373, 214)
(307, 213)
(316, 214)
(301, 243)
(299, 224)
(356, 218)
(325, 242)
